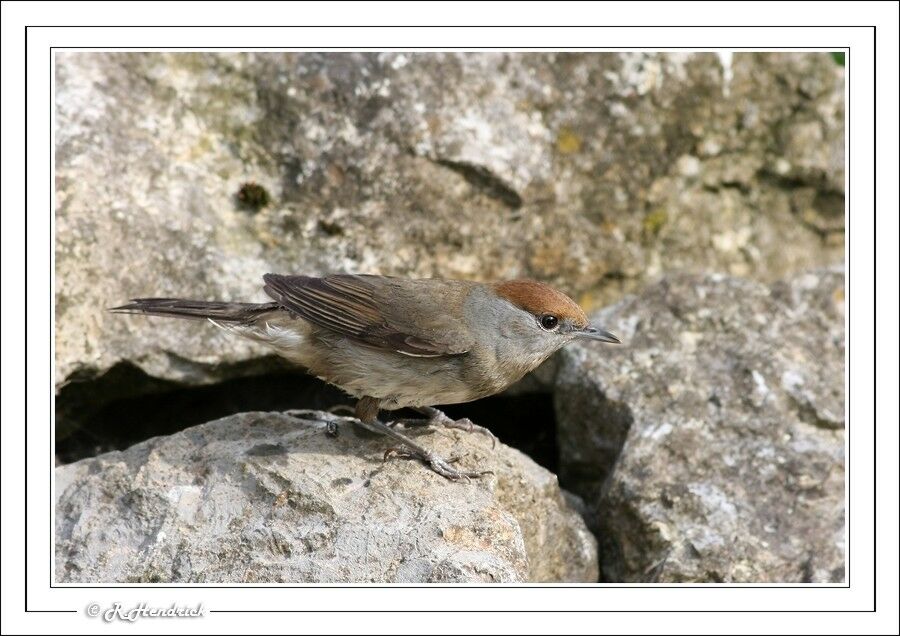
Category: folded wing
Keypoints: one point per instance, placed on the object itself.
(401, 315)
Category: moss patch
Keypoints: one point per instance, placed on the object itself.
(253, 197)
(567, 142)
(654, 221)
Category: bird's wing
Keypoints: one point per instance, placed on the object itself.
(408, 316)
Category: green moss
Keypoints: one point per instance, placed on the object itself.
(838, 57)
(654, 221)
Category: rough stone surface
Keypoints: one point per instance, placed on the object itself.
(592, 171)
(263, 497)
(710, 446)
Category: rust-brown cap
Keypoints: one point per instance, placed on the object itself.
(539, 298)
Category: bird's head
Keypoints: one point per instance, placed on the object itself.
(539, 319)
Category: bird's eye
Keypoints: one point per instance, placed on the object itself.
(549, 322)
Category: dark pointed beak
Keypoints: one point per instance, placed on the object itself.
(593, 333)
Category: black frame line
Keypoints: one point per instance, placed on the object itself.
(455, 26)
(448, 586)
(597, 49)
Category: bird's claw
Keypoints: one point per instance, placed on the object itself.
(469, 426)
(437, 463)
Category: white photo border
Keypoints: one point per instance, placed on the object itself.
(39, 594)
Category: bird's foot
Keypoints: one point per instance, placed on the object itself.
(437, 463)
(408, 448)
(439, 418)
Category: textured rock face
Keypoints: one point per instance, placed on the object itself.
(593, 171)
(710, 447)
(263, 497)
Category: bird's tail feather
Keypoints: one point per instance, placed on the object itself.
(196, 309)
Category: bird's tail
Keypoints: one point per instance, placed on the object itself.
(196, 309)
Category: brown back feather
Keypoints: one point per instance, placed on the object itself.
(403, 315)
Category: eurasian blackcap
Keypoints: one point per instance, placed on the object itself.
(397, 342)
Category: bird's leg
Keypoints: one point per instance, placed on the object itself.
(367, 412)
(437, 417)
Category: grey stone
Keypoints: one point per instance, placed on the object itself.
(596, 172)
(264, 497)
(710, 445)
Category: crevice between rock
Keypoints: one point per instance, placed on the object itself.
(125, 406)
(603, 425)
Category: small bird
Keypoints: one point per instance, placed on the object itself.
(397, 343)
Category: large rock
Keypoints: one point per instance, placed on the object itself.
(263, 497)
(710, 445)
(593, 171)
